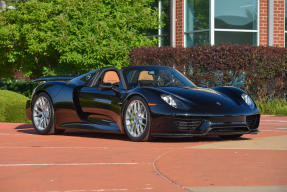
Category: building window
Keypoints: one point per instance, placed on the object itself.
(163, 16)
(285, 23)
(197, 22)
(235, 21)
(221, 21)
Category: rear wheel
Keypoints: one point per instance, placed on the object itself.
(230, 136)
(137, 119)
(43, 114)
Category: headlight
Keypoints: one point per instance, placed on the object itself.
(247, 99)
(171, 101)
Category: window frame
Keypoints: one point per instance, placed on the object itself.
(97, 79)
(159, 34)
(212, 28)
(185, 33)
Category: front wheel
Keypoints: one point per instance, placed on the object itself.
(136, 119)
(43, 114)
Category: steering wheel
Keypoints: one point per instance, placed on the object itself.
(172, 82)
(155, 83)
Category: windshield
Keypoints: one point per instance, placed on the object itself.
(155, 76)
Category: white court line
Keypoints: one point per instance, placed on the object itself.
(267, 130)
(67, 164)
(157, 171)
(279, 121)
(101, 190)
(282, 128)
(40, 147)
(12, 134)
(94, 190)
(97, 190)
(4, 134)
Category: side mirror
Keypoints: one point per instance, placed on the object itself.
(106, 86)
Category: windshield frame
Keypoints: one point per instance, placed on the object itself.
(183, 79)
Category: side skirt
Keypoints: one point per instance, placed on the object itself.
(87, 126)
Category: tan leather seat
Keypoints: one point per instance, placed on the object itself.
(144, 76)
(111, 77)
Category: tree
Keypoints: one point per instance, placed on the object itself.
(44, 37)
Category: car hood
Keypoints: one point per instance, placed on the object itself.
(207, 100)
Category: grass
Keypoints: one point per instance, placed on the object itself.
(273, 107)
(13, 107)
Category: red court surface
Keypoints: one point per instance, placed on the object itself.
(79, 162)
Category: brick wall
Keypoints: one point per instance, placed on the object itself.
(279, 20)
(20, 75)
(179, 23)
(263, 28)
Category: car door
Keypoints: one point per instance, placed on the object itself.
(103, 106)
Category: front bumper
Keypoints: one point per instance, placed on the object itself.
(185, 126)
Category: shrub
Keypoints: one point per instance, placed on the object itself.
(261, 71)
(12, 107)
(56, 37)
(273, 107)
(19, 86)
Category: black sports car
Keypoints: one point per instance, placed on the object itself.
(141, 102)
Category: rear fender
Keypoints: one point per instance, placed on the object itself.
(51, 88)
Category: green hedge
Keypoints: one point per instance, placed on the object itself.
(261, 71)
(20, 86)
(13, 107)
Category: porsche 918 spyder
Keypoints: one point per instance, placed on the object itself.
(141, 102)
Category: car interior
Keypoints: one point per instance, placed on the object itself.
(111, 77)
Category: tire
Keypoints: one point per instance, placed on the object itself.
(230, 136)
(43, 114)
(136, 119)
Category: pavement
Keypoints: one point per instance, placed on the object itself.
(81, 161)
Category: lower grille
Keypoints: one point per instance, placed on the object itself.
(228, 128)
(187, 125)
(252, 121)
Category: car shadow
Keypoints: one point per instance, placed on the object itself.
(194, 139)
(28, 129)
(97, 135)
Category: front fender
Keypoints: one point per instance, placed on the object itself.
(229, 91)
(153, 99)
(232, 92)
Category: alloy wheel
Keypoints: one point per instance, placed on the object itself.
(41, 113)
(136, 118)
